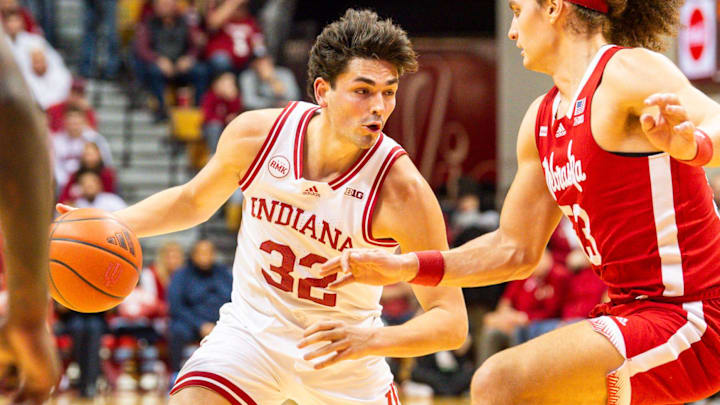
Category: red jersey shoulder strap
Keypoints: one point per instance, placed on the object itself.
(596, 77)
(543, 114)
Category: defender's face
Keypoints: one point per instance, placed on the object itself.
(362, 100)
(530, 31)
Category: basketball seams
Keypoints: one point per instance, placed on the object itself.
(85, 280)
(57, 290)
(101, 248)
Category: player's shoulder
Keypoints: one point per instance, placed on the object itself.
(247, 132)
(404, 186)
(631, 67)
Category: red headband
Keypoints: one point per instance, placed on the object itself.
(597, 5)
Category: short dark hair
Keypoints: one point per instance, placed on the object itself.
(358, 34)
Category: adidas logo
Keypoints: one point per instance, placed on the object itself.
(122, 239)
(560, 131)
(312, 191)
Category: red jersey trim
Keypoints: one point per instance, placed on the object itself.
(394, 154)
(359, 164)
(300, 140)
(218, 384)
(267, 146)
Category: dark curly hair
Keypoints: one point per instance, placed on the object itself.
(631, 23)
(358, 34)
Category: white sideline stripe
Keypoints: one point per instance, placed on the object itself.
(688, 334)
(665, 225)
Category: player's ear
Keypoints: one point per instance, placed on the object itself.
(553, 8)
(321, 87)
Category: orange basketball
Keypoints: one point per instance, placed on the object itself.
(95, 260)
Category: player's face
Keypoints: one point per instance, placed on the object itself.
(531, 32)
(362, 100)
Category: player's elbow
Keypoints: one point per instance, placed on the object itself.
(524, 260)
(458, 334)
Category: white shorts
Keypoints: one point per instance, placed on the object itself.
(250, 369)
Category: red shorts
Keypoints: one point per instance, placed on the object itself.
(671, 351)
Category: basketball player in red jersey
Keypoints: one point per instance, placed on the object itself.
(617, 146)
(317, 180)
(25, 213)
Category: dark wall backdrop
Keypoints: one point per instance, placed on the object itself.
(418, 17)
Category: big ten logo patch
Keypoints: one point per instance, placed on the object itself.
(112, 273)
(354, 193)
(279, 166)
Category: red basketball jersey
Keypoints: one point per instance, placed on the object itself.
(648, 224)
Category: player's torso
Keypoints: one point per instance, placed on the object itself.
(647, 223)
(291, 224)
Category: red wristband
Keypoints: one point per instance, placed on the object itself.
(704, 149)
(431, 268)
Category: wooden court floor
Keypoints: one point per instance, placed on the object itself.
(154, 399)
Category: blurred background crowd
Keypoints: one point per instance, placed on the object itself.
(136, 94)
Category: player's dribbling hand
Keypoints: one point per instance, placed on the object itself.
(373, 267)
(346, 342)
(671, 131)
(32, 352)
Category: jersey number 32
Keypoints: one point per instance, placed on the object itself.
(287, 281)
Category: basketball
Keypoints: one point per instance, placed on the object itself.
(95, 260)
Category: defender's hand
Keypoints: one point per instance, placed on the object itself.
(62, 208)
(32, 352)
(347, 342)
(672, 131)
(373, 267)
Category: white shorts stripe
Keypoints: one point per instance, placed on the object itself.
(608, 328)
(665, 225)
(688, 334)
(217, 384)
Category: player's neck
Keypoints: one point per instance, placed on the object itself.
(326, 152)
(571, 61)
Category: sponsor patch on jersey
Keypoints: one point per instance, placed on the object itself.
(279, 166)
(313, 191)
(580, 107)
(354, 193)
(543, 130)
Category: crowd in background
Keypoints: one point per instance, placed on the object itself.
(213, 56)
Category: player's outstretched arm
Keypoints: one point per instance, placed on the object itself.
(675, 116)
(192, 203)
(409, 213)
(511, 252)
(25, 214)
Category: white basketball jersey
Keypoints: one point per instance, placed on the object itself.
(290, 224)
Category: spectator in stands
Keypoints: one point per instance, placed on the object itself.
(100, 14)
(91, 161)
(29, 23)
(523, 305)
(220, 105)
(41, 65)
(86, 331)
(585, 289)
(93, 196)
(45, 11)
(266, 85)
(69, 145)
(276, 17)
(196, 293)
(234, 36)
(167, 53)
(76, 98)
(170, 257)
(467, 214)
(563, 241)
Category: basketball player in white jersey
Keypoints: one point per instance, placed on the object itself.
(617, 146)
(317, 180)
